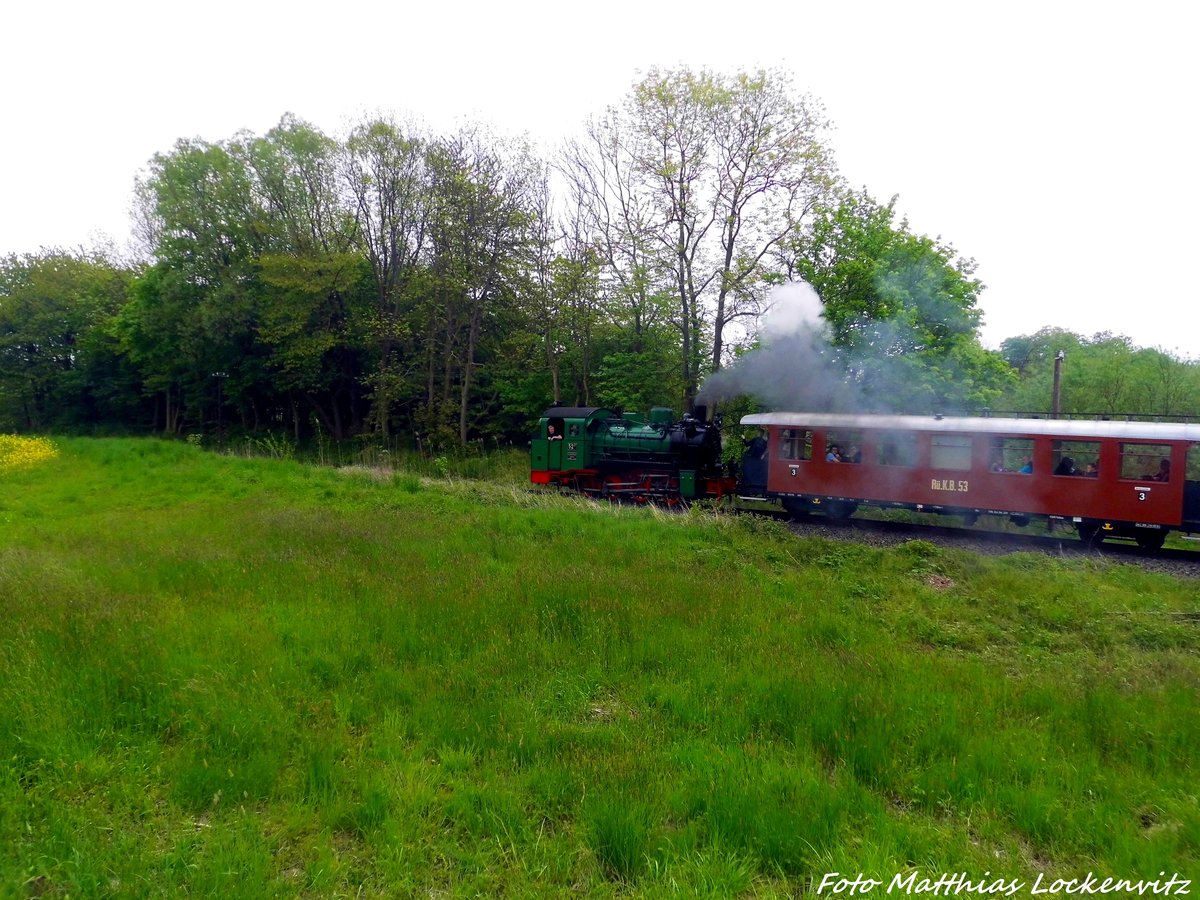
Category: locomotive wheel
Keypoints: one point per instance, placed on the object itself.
(610, 489)
(1151, 540)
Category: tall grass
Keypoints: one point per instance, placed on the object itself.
(481, 459)
(228, 676)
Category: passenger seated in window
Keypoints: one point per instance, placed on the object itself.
(1091, 470)
(1163, 473)
(998, 465)
(834, 454)
(1066, 466)
(1026, 466)
(853, 455)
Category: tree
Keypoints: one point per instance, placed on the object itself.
(613, 218)
(202, 294)
(902, 308)
(689, 186)
(479, 228)
(312, 299)
(564, 293)
(59, 366)
(389, 179)
(772, 171)
(1104, 374)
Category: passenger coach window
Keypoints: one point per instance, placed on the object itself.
(795, 443)
(1011, 455)
(1146, 462)
(1076, 458)
(843, 446)
(951, 451)
(897, 449)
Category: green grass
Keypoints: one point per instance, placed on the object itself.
(251, 677)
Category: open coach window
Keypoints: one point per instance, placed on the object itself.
(1010, 455)
(795, 444)
(1146, 462)
(1080, 458)
(843, 446)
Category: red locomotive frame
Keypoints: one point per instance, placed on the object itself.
(969, 467)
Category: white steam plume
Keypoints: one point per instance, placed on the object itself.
(794, 367)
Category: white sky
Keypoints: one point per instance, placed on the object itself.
(1054, 142)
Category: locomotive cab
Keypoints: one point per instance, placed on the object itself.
(560, 442)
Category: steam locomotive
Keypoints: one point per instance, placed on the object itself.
(1127, 480)
(606, 453)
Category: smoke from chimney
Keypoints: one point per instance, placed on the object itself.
(795, 366)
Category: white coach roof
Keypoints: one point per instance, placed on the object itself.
(1064, 428)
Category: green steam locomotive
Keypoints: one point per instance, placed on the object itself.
(624, 456)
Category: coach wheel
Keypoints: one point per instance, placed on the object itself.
(797, 509)
(1020, 521)
(1151, 540)
(1090, 533)
(838, 510)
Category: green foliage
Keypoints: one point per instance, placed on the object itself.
(1104, 374)
(902, 308)
(60, 364)
(396, 283)
(639, 380)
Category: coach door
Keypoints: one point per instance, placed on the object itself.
(1191, 489)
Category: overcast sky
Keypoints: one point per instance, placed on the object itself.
(1052, 141)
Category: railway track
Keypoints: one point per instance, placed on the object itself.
(1182, 562)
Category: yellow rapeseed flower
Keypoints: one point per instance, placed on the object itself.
(19, 452)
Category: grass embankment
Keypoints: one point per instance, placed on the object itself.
(233, 677)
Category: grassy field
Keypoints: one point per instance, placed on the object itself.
(237, 677)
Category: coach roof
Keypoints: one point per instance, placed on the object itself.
(1063, 428)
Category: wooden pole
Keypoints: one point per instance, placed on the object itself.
(1056, 400)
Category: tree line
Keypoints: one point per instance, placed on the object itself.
(395, 282)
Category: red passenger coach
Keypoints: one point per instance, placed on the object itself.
(1136, 480)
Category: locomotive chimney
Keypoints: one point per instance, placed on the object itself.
(700, 412)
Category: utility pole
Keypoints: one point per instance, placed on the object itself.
(1056, 400)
